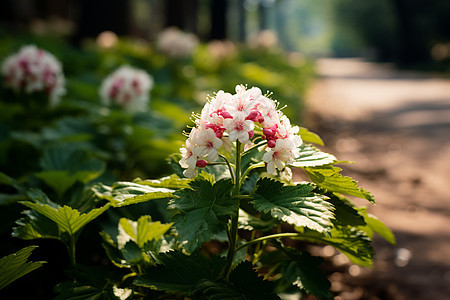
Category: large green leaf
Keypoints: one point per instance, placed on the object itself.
(68, 219)
(169, 182)
(127, 193)
(345, 212)
(375, 225)
(178, 272)
(15, 266)
(330, 178)
(296, 205)
(142, 231)
(203, 211)
(244, 284)
(63, 166)
(35, 226)
(302, 270)
(351, 241)
(311, 157)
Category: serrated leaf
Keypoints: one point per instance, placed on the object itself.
(15, 265)
(142, 231)
(127, 193)
(311, 157)
(309, 137)
(170, 182)
(112, 251)
(351, 241)
(35, 226)
(302, 270)
(250, 283)
(244, 284)
(249, 222)
(345, 213)
(296, 205)
(63, 166)
(203, 211)
(68, 219)
(375, 225)
(330, 178)
(87, 283)
(178, 272)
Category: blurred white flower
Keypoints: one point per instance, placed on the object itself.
(34, 70)
(176, 43)
(127, 88)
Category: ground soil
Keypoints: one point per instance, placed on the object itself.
(395, 125)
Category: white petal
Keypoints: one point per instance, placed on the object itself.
(270, 167)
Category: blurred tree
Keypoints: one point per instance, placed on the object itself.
(100, 15)
(182, 14)
(218, 10)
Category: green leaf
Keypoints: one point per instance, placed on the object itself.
(113, 252)
(9, 181)
(35, 226)
(344, 211)
(375, 225)
(244, 284)
(178, 272)
(68, 219)
(296, 205)
(204, 210)
(15, 265)
(170, 182)
(330, 178)
(309, 137)
(127, 193)
(302, 270)
(311, 157)
(63, 166)
(142, 231)
(249, 222)
(351, 241)
(87, 283)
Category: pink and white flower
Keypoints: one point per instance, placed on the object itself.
(127, 88)
(207, 144)
(230, 118)
(283, 153)
(33, 70)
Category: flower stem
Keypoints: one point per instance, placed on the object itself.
(71, 250)
(229, 166)
(233, 230)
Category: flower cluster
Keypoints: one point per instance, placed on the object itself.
(35, 70)
(229, 118)
(176, 43)
(127, 88)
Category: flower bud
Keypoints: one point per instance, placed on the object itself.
(201, 163)
(271, 143)
(267, 132)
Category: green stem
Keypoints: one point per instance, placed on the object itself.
(268, 237)
(259, 165)
(71, 250)
(229, 166)
(233, 231)
(256, 146)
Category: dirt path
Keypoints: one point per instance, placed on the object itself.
(396, 127)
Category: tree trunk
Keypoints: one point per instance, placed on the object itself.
(218, 19)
